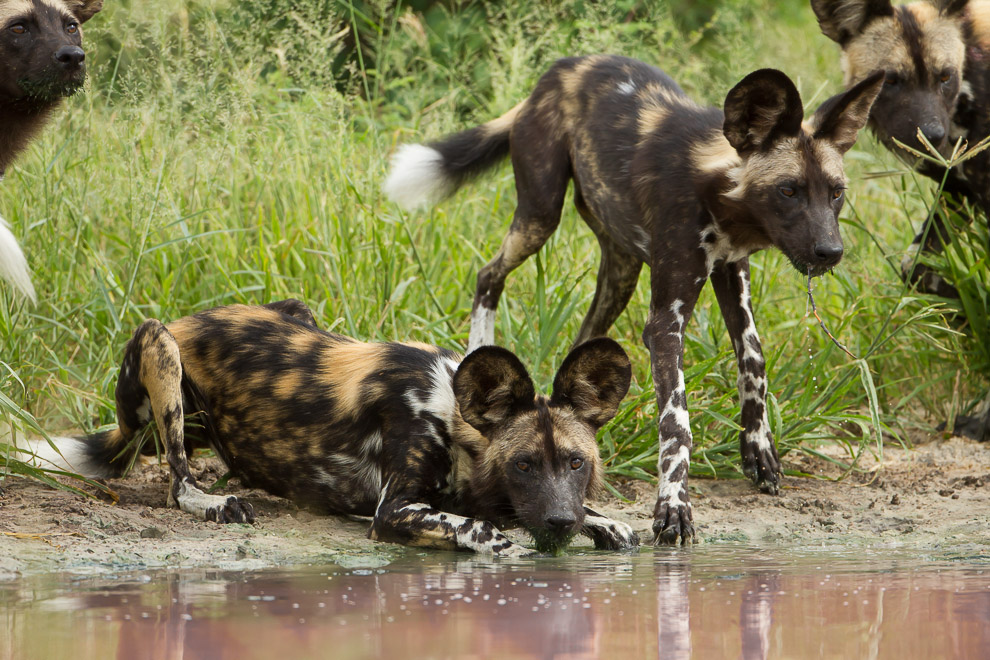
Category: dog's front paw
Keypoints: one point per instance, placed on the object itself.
(609, 534)
(232, 510)
(672, 521)
(761, 464)
(513, 550)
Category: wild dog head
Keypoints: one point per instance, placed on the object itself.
(41, 47)
(790, 181)
(921, 51)
(541, 460)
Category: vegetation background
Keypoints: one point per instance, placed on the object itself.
(234, 152)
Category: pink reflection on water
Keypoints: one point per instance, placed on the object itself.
(672, 604)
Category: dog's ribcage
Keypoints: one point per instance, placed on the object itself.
(316, 417)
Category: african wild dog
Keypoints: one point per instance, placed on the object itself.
(437, 449)
(659, 179)
(937, 65)
(41, 61)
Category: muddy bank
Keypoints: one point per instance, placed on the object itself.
(935, 496)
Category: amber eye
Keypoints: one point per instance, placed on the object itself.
(786, 191)
(18, 29)
(522, 466)
(837, 193)
(72, 28)
(945, 76)
(891, 78)
(576, 463)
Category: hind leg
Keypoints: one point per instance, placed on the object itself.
(151, 384)
(618, 275)
(542, 169)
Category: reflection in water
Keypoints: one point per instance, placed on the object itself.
(704, 602)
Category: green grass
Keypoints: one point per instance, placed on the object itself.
(234, 152)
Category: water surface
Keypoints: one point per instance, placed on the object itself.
(705, 602)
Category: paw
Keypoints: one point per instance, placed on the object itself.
(513, 550)
(762, 466)
(672, 521)
(611, 534)
(232, 510)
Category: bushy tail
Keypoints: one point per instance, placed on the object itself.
(104, 454)
(422, 175)
(13, 265)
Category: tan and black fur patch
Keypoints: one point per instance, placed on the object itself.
(437, 450)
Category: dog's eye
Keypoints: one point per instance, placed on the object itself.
(576, 463)
(17, 28)
(72, 28)
(786, 191)
(891, 78)
(837, 194)
(522, 466)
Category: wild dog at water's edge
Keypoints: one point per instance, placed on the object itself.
(41, 62)
(691, 191)
(440, 451)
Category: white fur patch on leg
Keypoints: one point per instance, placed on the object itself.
(482, 328)
(417, 178)
(13, 265)
(219, 508)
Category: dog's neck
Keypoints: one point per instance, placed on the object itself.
(20, 121)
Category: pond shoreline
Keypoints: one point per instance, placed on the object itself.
(935, 496)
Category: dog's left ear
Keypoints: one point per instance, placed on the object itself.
(593, 380)
(952, 7)
(762, 108)
(840, 118)
(84, 10)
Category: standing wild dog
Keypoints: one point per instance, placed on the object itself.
(937, 66)
(437, 449)
(41, 62)
(659, 179)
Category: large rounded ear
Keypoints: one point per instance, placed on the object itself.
(840, 118)
(491, 386)
(841, 20)
(953, 7)
(764, 107)
(593, 380)
(83, 10)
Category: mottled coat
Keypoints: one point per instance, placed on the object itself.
(439, 451)
(691, 191)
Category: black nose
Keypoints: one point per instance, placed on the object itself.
(71, 57)
(828, 254)
(559, 523)
(935, 133)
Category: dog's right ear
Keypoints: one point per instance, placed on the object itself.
(762, 108)
(841, 20)
(84, 10)
(491, 385)
(593, 380)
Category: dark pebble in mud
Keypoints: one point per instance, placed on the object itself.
(152, 533)
(895, 499)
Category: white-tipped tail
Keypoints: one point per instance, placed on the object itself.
(72, 455)
(13, 265)
(417, 177)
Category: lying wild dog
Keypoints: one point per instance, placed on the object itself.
(937, 66)
(437, 449)
(41, 62)
(659, 179)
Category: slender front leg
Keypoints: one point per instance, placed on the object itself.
(608, 534)
(759, 453)
(403, 520)
(676, 286)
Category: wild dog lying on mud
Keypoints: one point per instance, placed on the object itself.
(439, 450)
(41, 62)
(937, 66)
(659, 179)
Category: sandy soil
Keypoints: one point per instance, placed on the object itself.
(934, 497)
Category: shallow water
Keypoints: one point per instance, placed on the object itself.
(706, 602)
